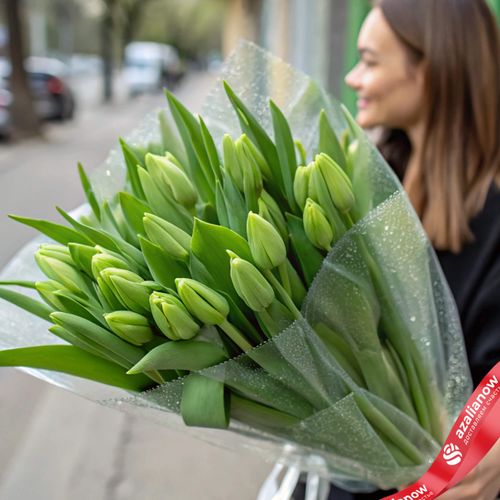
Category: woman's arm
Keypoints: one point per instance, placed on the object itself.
(482, 483)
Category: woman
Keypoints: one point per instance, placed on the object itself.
(429, 77)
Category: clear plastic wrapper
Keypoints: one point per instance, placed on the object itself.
(383, 267)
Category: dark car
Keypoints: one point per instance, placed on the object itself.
(47, 78)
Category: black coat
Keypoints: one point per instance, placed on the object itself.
(474, 279)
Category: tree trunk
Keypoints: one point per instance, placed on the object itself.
(24, 120)
(107, 53)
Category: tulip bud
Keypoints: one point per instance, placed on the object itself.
(267, 246)
(128, 288)
(202, 302)
(316, 226)
(101, 261)
(171, 158)
(301, 184)
(250, 284)
(231, 163)
(172, 317)
(82, 256)
(252, 151)
(270, 210)
(338, 184)
(48, 290)
(170, 178)
(168, 236)
(55, 265)
(130, 326)
(252, 177)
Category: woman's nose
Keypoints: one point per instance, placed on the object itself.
(352, 78)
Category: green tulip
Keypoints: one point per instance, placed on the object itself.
(168, 236)
(172, 317)
(267, 246)
(130, 326)
(301, 184)
(316, 226)
(170, 178)
(252, 177)
(82, 256)
(172, 159)
(337, 182)
(250, 284)
(102, 261)
(48, 290)
(54, 265)
(231, 163)
(129, 288)
(253, 152)
(205, 304)
(270, 210)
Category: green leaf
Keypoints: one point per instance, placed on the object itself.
(212, 154)
(133, 210)
(209, 244)
(220, 205)
(89, 192)
(204, 402)
(131, 162)
(308, 256)
(23, 283)
(163, 267)
(74, 361)
(328, 141)
(237, 210)
(189, 355)
(286, 153)
(27, 303)
(57, 232)
(200, 169)
(73, 306)
(170, 140)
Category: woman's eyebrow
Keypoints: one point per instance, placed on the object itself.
(366, 50)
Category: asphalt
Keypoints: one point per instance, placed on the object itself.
(56, 445)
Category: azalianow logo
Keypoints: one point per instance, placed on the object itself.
(452, 454)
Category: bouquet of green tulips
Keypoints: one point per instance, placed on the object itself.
(272, 282)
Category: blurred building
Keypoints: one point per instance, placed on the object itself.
(316, 36)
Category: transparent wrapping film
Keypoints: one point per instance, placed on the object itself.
(382, 270)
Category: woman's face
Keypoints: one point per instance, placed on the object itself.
(389, 86)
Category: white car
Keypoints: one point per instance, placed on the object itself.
(149, 66)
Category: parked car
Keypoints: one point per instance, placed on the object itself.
(149, 66)
(48, 80)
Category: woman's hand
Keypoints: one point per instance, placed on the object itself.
(482, 483)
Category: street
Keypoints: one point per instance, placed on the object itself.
(56, 445)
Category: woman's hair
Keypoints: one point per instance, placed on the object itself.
(458, 43)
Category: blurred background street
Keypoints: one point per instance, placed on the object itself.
(74, 76)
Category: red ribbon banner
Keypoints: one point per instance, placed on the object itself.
(474, 432)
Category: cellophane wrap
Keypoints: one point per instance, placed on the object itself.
(336, 440)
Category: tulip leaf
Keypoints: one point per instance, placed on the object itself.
(124, 353)
(285, 148)
(200, 170)
(89, 192)
(220, 205)
(170, 140)
(73, 306)
(74, 361)
(213, 156)
(328, 141)
(189, 355)
(308, 256)
(237, 211)
(33, 306)
(209, 243)
(131, 162)
(163, 267)
(57, 232)
(133, 210)
(205, 403)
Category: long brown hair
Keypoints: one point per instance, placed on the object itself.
(458, 42)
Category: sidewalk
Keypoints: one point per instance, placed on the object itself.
(58, 446)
